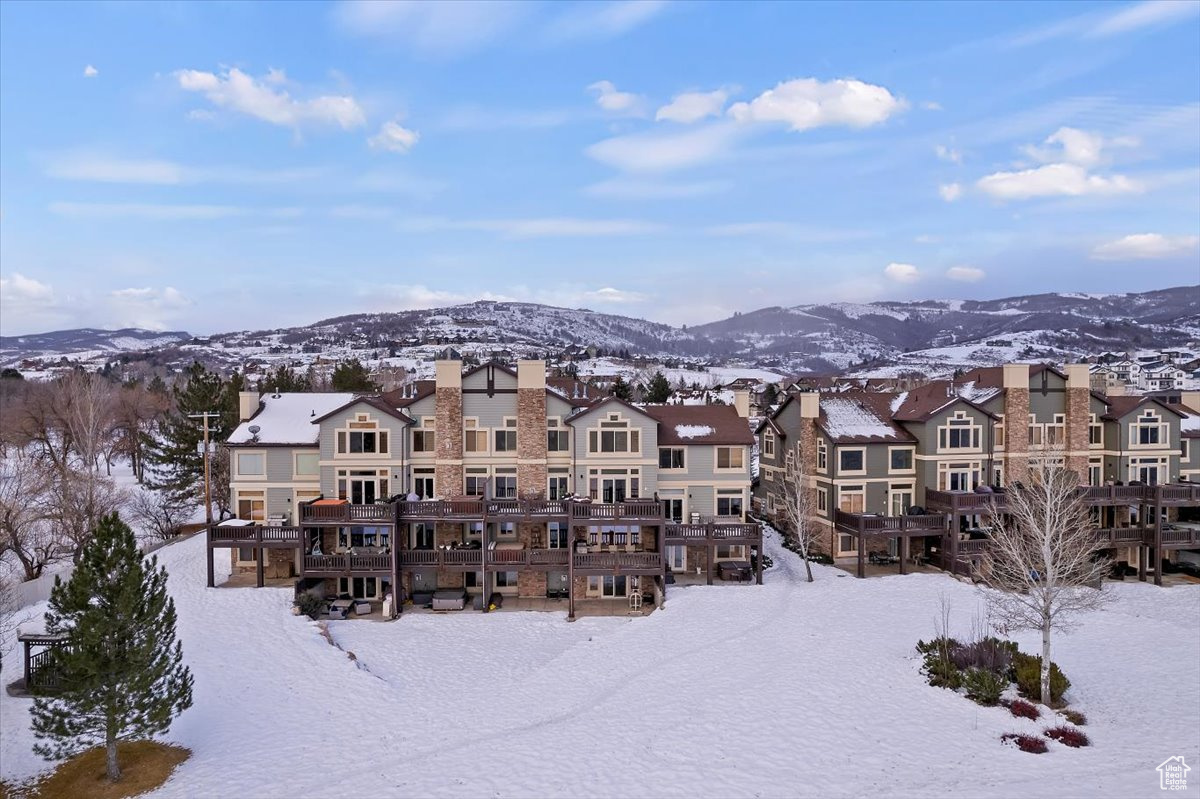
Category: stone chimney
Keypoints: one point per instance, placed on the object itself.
(1016, 422)
(247, 404)
(741, 402)
(448, 468)
(1190, 399)
(1078, 413)
(531, 429)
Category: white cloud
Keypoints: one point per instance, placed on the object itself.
(965, 274)
(1053, 180)
(90, 71)
(602, 21)
(474, 117)
(609, 294)
(931, 105)
(549, 227)
(950, 191)
(902, 273)
(658, 151)
(787, 230)
(926, 238)
(1146, 14)
(1145, 246)
(144, 211)
(808, 103)
(635, 189)
(105, 169)
(394, 137)
(690, 107)
(18, 288)
(237, 91)
(432, 29)
(617, 102)
(147, 308)
(1073, 146)
(948, 154)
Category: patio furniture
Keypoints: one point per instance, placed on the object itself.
(734, 570)
(362, 607)
(339, 608)
(450, 599)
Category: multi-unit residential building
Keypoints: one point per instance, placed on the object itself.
(911, 475)
(487, 484)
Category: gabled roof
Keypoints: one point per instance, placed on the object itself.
(607, 402)
(1190, 426)
(287, 419)
(861, 417)
(1120, 407)
(377, 403)
(993, 376)
(681, 425)
(406, 395)
(574, 390)
(923, 402)
(770, 422)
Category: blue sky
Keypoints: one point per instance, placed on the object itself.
(220, 166)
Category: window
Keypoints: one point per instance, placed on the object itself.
(846, 544)
(822, 456)
(729, 505)
(359, 587)
(959, 432)
(731, 551)
(252, 506)
(673, 510)
(901, 460)
(768, 446)
(362, 441)
(474, 439)
(423, 483)
(247, 554)
(506, 439)
(362, 486)
(1183, 449)
(851, 460)
(251, 464)
(476, 484)
(1056, 432)
(424, 441)
(1149, 431)
(308, 464)
(851, 499)
(1000, 430)
(506, 579)
(670, 457)
(558, 440)
(556, 486)
(557, 533)
(1095, 470)
(822, 501)
(901, 499)
(506, 486)
(730, 458)
(349, 537)
(1095, 432)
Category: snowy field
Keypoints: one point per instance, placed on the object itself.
(788, 689)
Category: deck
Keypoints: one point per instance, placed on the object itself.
(1172, 495)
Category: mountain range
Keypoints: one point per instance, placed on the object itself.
(817, 337)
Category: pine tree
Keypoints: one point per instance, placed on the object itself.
(351, 375)
(122, 674)
(174, 452)
(770, 395)
(620, 389)
(659, 390)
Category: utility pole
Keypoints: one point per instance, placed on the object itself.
(206, 415)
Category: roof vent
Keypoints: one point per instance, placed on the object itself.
(254, 429)
(275, 395)
(312, 413)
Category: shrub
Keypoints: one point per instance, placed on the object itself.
(1026, 743)
(1027, 671)
(984, 686)
(310, 605)
(1023, 710)
(1068, 736)
(990, 654)
(1075, 717)
(939, 666)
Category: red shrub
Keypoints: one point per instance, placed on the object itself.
(1026, 743)
(1024, 710)
(1068, 736)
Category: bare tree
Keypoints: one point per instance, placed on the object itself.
(86, 402)
(800, 529)
(24, 528)
(74, 504)
(1043, 559)
(158, 513)
(10, 614)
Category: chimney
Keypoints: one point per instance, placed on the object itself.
(1016, 375)
(531, 374)
(247, 404)
(448, 374)
(810, 405)
(1078, 376)
(1190, 399)
(741, 402)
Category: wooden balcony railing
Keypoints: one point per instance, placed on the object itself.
(716, 531)
(325, 564)
(498, 558)
(1120, 536)
(870, 524)
(378, 513)
(1173, 494)
(254, 533)
(618, 560)
(628, 510)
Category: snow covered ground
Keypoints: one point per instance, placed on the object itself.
(788, 689)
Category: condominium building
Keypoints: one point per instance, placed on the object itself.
(910, 476)
(487, 484)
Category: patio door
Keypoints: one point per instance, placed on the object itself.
(677, 558)
(673, 510)
(363, 490)
(614, 586)
(423, 487)
(613, 489)
(422, 536)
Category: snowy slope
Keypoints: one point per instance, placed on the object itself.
(786, 689)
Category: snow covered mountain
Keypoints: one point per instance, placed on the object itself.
(929, 335)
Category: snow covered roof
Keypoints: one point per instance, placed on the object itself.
(861, 417)
(681, 425)
(288, 418)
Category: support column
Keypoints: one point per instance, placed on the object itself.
(758, 562)
(862, 566)
(1158, 522)
(571, 577)
(260, 554)
(710, 550)
(904, 547)
(210, 564)
(1143, 550)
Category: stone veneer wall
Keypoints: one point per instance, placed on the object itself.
(1078, 412)
(1016, 434)
(531, 583)
(531, 442)
(448, 473)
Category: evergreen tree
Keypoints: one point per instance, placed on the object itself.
(620, 389)
(770, 394)
(173, 452)
(351, 375)
(122, 675)
(284, 380)
(659, 390)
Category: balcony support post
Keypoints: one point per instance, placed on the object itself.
(208, 534)
(259, 553)
(903, 553)
(1158, 525)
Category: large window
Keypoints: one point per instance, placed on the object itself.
(769, 444)
(901, 459)
(1095, 432)
(730, 458)
(424, 440)
(506, 486)
(558, 439)
(614, 436)
(359, 587)
(308, 464)
(851, 499)
(506, 439)
(729, 504)
(959, 432)
(251, 464)
(556, 486)
(557, 533)
(476, 483)
(901, 499)
(670, 458)
(506, 579)
(1149, 431)
(474, 439)
(851, 460)
(822, 455)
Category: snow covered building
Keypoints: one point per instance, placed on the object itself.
(910, 476)
(487, 484)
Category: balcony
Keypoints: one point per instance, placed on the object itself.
(712, 533)
(346, 564)
(619, 563)
(633, 510)
(1169, 495)
(472, 559)
(871, 524)
(225, 535)
(334, 512)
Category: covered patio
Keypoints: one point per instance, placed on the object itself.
(867, 528)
